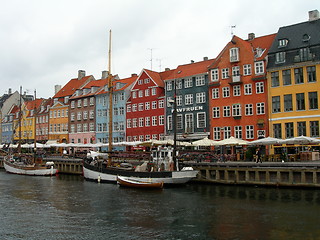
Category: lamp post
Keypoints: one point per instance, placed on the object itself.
(221, 147)
(174, 125)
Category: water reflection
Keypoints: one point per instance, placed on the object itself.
(68, 207)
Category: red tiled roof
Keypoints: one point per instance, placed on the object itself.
(127, 82)
(72, 86)
(30, 105)
(190, 69)
(155, 76)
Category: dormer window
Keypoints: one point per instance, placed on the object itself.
(118, 85)
(234, 54)
(282, 43)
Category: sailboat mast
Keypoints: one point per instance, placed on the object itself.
(110, 90)
(174, 152)
(19, 119)
(34, 127)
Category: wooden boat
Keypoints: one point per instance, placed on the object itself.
(100, 171)
(138, 183)
(27, 164)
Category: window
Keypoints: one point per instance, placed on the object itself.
(298, 75)
(215, 75)
(179, 121)
(147, 105)
(188, 83)
(179, 100)
(305, 54)
(260, 108)
(140, 93)
(215, 112)
(188, 99)
(72, 104)
(161, 120)
(280, 57)
(154, 105)
(288, 102)
(225, 73)
(134, 123)
(91, 101)
(169, 85)
(249, 109)
(313, 100)
(259, 68)
(226, 111)
(277, 133)
(161, 103)
(79, 103)
(289, 129)
(234, 54)
(179, 84)
(226, 132)
(154, 120)
(286, 77)
(201, 97)
(141, 122)
(154, 91)
(226, 92)
(79, 128)
(216, 133)
(314, 128)
(189, 123)
(302, 128)
(276, 104)
(238, 132)
(282, 43)
(128, 108)
(139, 82)
(134, 94)
(72, 116)
(140, 108)
(236, 90)
(275, 79)
(236, 71)
(311, 72)
(249, 132)
(147, 80)
(300, 101)
(248, 89)
(259, 87)
(200, 80)
(215, 93)
(141, 138)
(121, 110)
(201, 120)
(247, 69)
(147, 121)
(236, 110)
(134, 107)
(79, 115)
(128, 123)
(91, 114)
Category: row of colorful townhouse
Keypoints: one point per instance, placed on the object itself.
(258, 87)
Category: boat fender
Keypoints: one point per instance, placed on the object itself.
(99, 179)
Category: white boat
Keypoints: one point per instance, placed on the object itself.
(97, 170)
(19, 167)
(26, 164)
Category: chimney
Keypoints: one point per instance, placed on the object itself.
(81, 74)
(313, 15)
(105, 74)
(205, 58)
(57, 88)
(251, 36)
(134, 75)
(10, 91)
(167, 69)
(192, 61)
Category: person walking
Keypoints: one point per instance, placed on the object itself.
(258, 155)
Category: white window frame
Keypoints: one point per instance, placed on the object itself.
(248, 89)
(247, 69)
(201, 97)
(215, 93)
(201, 120)
(259, 68)
(215, 75)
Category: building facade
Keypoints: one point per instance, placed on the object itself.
(187, 86)
(294, 80)
(238, 89)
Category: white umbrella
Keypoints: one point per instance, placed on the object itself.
(266, 141)
(302, 140)
(233, 141)
(205, 142)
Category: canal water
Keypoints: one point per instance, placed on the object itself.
(67, 207)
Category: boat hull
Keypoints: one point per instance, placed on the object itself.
(106, 174)
(138, 183)
(29, 170)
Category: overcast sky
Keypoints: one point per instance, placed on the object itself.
(46, 42)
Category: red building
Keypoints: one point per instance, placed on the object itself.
(42, 121)
(145, 107)
(238, 89)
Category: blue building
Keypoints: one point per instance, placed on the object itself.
(121, 92)
(7, 126)
(191, 82)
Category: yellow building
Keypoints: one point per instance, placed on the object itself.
(294, 80)
(58, 122)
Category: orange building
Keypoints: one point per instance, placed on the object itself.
(238, 91)
(59, 115)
